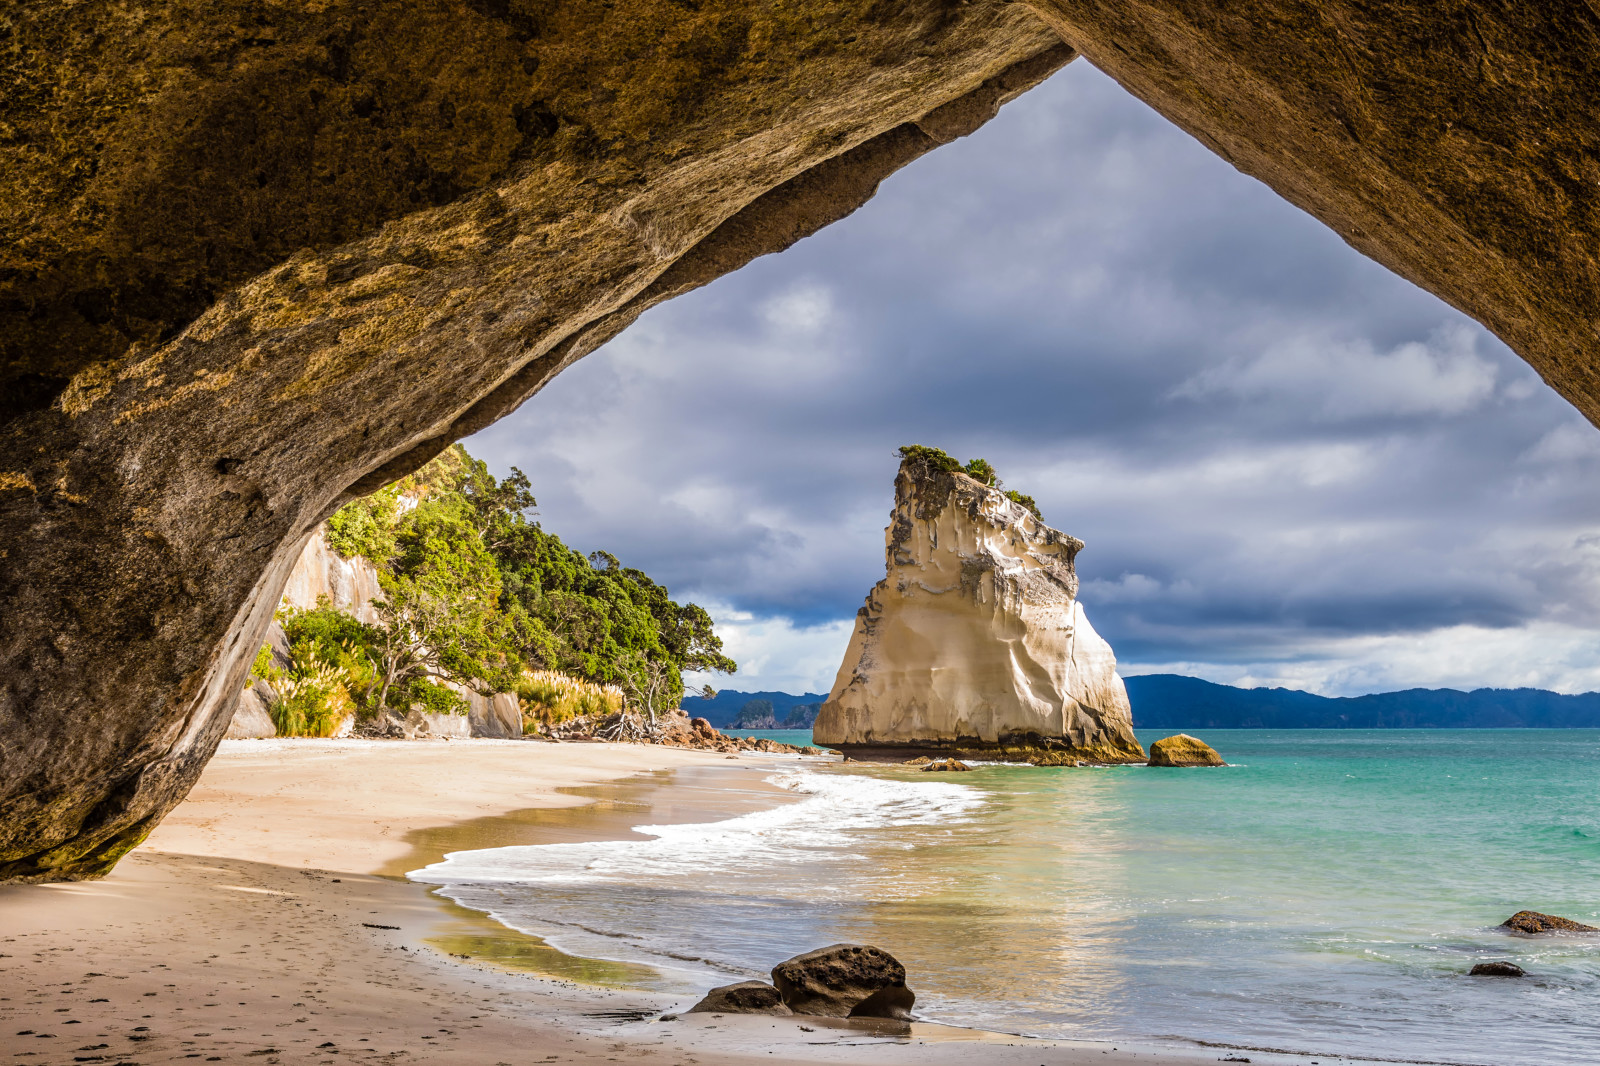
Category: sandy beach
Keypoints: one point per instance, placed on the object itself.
(264, 922)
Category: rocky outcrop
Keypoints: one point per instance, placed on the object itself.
(1184, 750)
(1532, 923)
(251, 719)
(975, 643)
(259, 258)
(1497, 969)
(350, 585)
(746, 997)
(944, 766)
(845, 980)
(498, 716)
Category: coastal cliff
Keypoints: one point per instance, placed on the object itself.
(975, 642)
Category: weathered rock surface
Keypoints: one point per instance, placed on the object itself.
(259, 257)
(424, 725)
(1532, 923)
(1497, 969)
(498, 716)
(975, 643)
(835, 981)
(745, 997)
(1184, 750)
(937, 766)
(251, 720)
(349, 584)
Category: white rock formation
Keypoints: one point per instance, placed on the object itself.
(975, 643)
(350, 584)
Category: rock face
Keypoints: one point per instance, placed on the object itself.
(845, 980)
(349, 584)
(975, 643)
(746, 997)
(250, 719)
(1184, 750)
(1532, 923)
(259, 258)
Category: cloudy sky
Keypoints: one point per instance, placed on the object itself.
(1290, 466)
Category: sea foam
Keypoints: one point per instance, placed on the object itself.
(822, 826)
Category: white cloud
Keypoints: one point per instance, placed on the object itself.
(774, 654)
(803, 308)
(1342, 380)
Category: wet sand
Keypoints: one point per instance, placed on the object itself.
(264, 923)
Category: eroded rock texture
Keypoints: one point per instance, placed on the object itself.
(975, 642)
(258, 254)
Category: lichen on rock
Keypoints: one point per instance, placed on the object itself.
(975, 642)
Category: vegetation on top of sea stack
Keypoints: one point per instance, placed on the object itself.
(479, 595)
(980, 470)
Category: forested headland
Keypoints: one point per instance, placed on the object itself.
(476, 594)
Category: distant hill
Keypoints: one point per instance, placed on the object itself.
(1170, 701)
(722, 711)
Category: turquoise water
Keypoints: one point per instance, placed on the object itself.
(800, 738)
(1326, 893)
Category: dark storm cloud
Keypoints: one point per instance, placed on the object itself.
(1277, 451)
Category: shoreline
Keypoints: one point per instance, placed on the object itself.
(264, 922)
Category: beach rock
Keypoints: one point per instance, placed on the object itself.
(943, 765)
(1532, 923)
(975, 642)
(745, 997)
(251, 719)
(890, 1001)
(420, 724)
(1184, 750)
(1498, 969)
(833, 981)
(920, 760)
(498, 716)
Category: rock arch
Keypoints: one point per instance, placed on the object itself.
(260, 256)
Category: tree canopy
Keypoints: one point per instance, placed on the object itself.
(477, 592)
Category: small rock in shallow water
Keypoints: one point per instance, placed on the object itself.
(1531, 922)
(920, 760)
(745, 997)
(943, 765)
(1498, 969)
(1184, 750)
(834, 981)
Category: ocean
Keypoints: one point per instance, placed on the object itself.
(1326, 893)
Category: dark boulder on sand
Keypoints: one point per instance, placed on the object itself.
(746, 997)
(1498, 969)
(1184, 750)
(843, 981)
(1532, 922)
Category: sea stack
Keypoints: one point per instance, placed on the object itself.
(974, 644)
